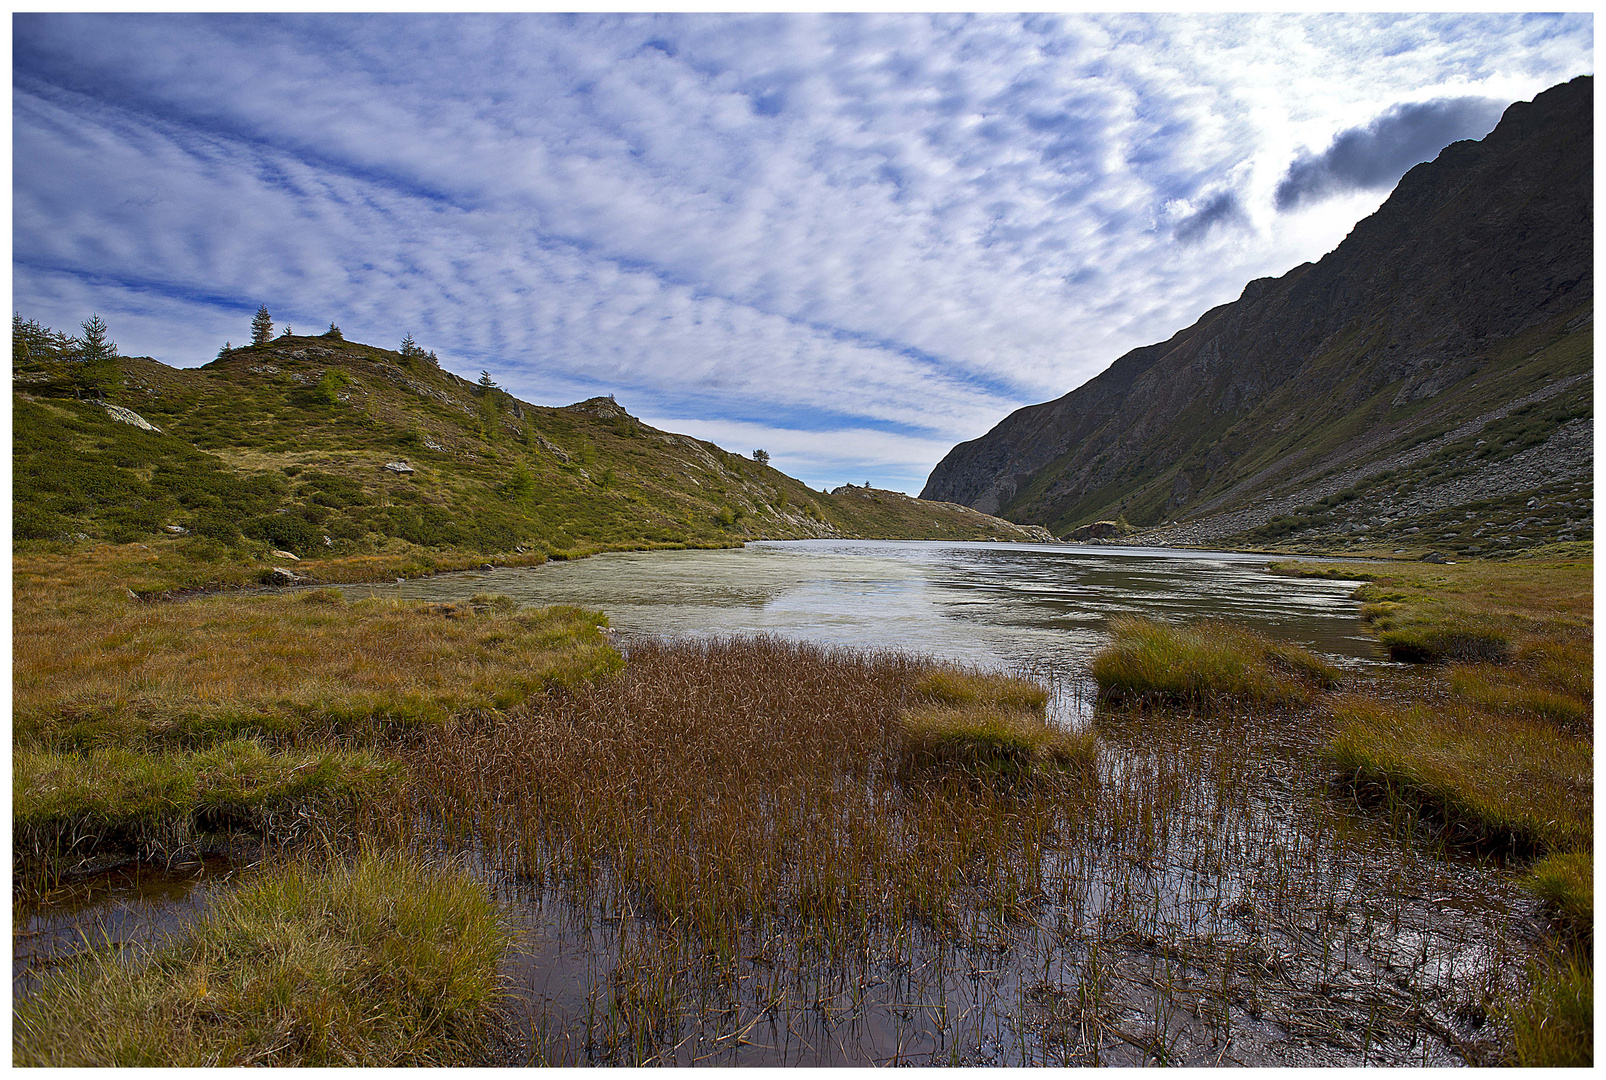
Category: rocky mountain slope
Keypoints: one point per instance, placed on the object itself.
(327, 448)
(1437, 365)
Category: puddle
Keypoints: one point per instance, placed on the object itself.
(129, 906)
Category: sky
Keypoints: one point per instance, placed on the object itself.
(850, 240)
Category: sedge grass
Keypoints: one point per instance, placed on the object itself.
(1204, 663)
(1566, 883)
(386, 962)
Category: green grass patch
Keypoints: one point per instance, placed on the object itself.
(1495, 781)
(67, 805)
(954, 686)
(989, 744)
(385, 963)
(1566, 882)
(1554, 1026)
(1203, 663)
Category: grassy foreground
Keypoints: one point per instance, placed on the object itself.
(385, 962)
(1502, 751)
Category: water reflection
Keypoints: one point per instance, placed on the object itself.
(1041, 606)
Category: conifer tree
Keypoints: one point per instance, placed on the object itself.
(261, 326)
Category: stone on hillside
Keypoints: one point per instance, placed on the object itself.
(129, 416)
(280, 575)
(286, 555)
(399, 467)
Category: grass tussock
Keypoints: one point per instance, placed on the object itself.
(1554, 1025)
(959, 687)
(1492, 780)
(989, 744)
(385, 963)
(1566, 883)
(1204, 663)
(159, 804)
(96, 670)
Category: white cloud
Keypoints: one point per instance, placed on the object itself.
(841, 223)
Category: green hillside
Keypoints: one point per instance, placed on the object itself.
(284, 446)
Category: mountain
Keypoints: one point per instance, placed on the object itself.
(1427, 382)
(333, 449)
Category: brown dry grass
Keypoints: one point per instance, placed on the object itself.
(94, 665)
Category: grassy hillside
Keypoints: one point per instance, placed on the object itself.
(284, 446)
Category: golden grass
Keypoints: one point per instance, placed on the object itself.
(93, 668)
(1492, 780)
(384, 963)
(958, 686)
(1204, 663)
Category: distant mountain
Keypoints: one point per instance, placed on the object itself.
(325, 447)
(1430, 370)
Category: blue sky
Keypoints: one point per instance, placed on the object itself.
(850, 240)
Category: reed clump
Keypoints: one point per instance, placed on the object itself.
(738, 783)
(389, 961)
(1204, 663)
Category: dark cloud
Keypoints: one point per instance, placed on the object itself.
(1224, 209)
(1378, 154)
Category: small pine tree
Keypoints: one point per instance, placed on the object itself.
(409, 347)
(286, 331)
(224, 351)
(761, 456)
(93, 345)
(334, 332)
(261, 326)
(486, 383)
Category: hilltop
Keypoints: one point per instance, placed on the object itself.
(1427, 384)
(335, 450)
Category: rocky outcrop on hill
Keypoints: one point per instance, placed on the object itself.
(1471, 288)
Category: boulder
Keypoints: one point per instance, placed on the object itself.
(399, 467)
(281, 575)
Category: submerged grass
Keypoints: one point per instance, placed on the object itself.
(383, 963)
(1204, 663)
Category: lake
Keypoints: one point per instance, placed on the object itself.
(1041, 607)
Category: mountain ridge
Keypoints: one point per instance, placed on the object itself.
(1478, 266)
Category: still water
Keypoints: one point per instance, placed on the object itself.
(1044, 607)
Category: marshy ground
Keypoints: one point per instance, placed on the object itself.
(750, 851)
